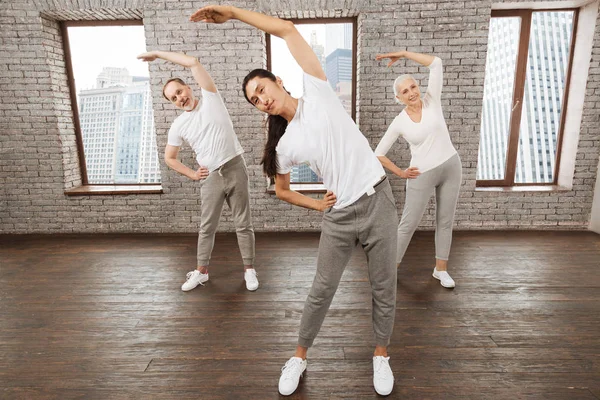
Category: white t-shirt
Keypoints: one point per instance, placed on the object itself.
(429, 139)
(208, 130)
(323, 135)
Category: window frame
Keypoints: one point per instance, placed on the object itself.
(519, 92)
(318, 187)
(96, 188)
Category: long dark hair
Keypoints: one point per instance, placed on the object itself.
(276, 125)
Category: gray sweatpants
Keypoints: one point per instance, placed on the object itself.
(228, 183)
(445, 179)
(370, 221)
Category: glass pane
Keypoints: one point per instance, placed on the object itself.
(115, 104)
(503, 42)
(547, 65)
(332, 44)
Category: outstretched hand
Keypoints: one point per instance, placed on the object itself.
(392, 56)
(212, 14)
(149, 56)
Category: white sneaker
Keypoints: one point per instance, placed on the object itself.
(251, 280)
(193, 279)
(383, 378)
(290, 375)
(444, 278)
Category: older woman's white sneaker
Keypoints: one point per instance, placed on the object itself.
(444, 278)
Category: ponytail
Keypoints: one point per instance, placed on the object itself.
(276, 126)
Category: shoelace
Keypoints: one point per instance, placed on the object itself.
(290, 368)
(379, 366)
(189, 275)
(253, 274)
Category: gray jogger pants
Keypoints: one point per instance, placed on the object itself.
(370, 221)
(228, 183)
(445, 179)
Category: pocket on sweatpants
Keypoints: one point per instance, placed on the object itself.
(389, 194)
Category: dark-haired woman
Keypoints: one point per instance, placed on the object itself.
(358, 207)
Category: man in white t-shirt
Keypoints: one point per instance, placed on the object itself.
(206, 126)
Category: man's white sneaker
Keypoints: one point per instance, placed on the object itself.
(383, 378)
(193, 279)
(444, 278)
(290, 375)
(251, 280)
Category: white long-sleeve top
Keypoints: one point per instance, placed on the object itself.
(429, 139)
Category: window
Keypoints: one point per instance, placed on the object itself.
(334, 43)
(110, 92)
(523, 112)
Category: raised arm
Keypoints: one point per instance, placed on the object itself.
(201, 76)
(300, 49)
(434, 87)
(423, 59)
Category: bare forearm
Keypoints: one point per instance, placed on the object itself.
(298, 199)
(299, 48)
(200, 74)
(178, 58)
(178, 166)
(266, 23)
(389, 165)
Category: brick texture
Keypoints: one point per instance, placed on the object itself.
(37, 141)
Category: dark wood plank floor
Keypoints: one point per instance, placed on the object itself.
(103, 317)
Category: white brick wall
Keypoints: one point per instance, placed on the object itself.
(37, 146)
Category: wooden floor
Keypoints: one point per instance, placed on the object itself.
(103, 317)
